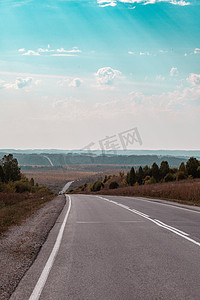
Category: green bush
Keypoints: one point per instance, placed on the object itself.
(22, 186)
(97, 185)
(150, 180)
(43, 191)
(169, 177)
(113, 185)
(180, 176)
(9, 187)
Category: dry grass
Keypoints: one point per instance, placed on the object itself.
(56, 179)
(15, 208)
(187, 191)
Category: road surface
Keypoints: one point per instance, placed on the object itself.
(66, 187)
(111, 248)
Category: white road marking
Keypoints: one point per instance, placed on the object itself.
(45, 273)
(157, 222)
(182, 232)
(162, 203)
(96, 222)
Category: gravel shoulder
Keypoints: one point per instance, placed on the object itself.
(20, 245)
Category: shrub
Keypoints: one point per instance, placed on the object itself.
(180, 176)
(9, 187)
(150, 180)
(97, 185)
(43, 191)
(169, 177)
(146, 179)
(22, 186)
(113, 185)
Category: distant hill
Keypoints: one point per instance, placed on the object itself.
(61, 159)
(174, 153)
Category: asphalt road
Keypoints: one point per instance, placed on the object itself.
(118, 248)
(66, 187)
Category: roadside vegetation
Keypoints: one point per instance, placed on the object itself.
(178, 184)
(56, 178)
(19, 196)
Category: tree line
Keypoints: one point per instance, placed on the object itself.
(163, 173)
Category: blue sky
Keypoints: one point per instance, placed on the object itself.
(74, 72)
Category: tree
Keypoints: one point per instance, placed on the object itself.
(198, 171)
(10, 168)
(32, 182)
(192, 166)
(155, 172)
(132, 177)
(140, 175)
(2, 175)
(147, 171)
(182, 168)
(164, 169)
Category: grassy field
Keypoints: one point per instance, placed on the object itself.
(55, 179)
(15, 208)
(186, 191)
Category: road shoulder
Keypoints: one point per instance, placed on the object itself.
(20, 245)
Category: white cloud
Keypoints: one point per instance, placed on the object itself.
(173, 71)
(163, 51)
(196, 50)
(181, 2)
(104, 3)
(144, 53)
(107, 75)
(76, 82)
(63, 54)
(21, 50)
(31, 52)
(21, 83)
(60, 52)
(44, 50)
(131, 52)
(194, 79)
(74, 50)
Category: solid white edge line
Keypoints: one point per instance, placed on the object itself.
(157, 222)
(45, 273)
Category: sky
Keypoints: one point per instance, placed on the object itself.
(74, 73)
